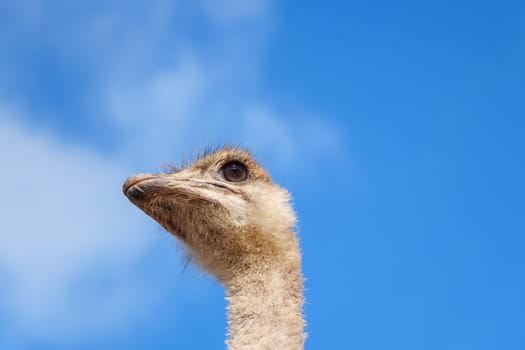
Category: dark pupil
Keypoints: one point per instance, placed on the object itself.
(234, 171)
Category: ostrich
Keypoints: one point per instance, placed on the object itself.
(237, 225)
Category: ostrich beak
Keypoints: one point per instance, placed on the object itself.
(131, 187)
(141, 187)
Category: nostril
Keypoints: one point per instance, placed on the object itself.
(134, 192)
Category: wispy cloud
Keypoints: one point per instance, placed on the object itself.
(165, 88)
(287, 142)
(64, 227)
(170, 76)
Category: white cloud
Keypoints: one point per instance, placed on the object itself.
(66, 228)
(183, 108)
(67, 231)
(294, 143)
(166, 93)
(154, 114)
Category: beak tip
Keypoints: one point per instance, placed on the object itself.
(130, 188)
(135, 193)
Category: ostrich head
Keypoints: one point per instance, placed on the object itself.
(224, 208)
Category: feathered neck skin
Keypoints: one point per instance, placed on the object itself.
(265, 305)
(237, 225)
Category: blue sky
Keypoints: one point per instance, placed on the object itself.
(398, 128)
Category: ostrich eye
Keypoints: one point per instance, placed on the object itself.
(234, 171)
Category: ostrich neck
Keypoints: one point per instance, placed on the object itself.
(265, 306)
